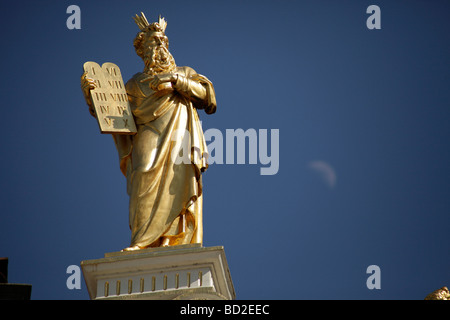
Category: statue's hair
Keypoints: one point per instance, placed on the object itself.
(137, 43)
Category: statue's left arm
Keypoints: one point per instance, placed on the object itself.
(190, 84)
(198, 89)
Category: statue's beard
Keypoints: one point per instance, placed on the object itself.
(159, 60)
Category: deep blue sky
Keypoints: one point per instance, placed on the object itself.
(373, 106)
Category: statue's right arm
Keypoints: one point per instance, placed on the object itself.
(87, 84)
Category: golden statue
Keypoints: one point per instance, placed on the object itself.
(165, 206)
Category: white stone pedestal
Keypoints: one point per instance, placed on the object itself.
(184, 272)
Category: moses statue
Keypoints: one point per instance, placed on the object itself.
(165, 194)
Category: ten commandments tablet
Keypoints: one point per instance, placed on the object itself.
(110, 99)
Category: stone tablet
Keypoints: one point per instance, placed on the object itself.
(110, 99)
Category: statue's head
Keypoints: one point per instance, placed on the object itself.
(152, 45)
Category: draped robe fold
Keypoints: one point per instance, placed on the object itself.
(165, 193)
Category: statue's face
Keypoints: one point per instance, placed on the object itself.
(156, 52)
(156, 40)
(155, 44)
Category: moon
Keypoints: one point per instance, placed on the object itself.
(325, 170)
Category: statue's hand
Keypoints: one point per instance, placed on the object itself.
(161, 81)
(87, 84)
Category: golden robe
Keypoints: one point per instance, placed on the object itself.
(165, 195)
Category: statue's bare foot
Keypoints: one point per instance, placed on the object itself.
(165, 242)
(133, 248)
